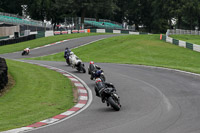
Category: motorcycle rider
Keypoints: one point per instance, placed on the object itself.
(100, 86)
(67, 53)
(27, 50)
(74, 59)
(94, 70)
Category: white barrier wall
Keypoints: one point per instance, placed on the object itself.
(101, 31)
(196, 47)
(49, 33)
(169, 39)
(182, 43)
(117, 31)
(69, 31)
(32, 33)
(134, 33)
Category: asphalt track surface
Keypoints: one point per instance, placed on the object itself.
(154, 100)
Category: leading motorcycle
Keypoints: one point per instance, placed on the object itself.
(25, 51)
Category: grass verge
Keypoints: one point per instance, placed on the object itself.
(134, 49)
(38, 94)
(195, 39)
(42, 41)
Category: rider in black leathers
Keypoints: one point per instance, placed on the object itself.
(100, 86)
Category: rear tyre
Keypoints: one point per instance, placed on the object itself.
(103, 78)
(113, 104)
(83, 68)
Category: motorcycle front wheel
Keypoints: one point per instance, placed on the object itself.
(113, 104)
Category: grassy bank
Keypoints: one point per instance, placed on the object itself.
(133, 49)
(188, 38)
(39, 93)
(41, 41)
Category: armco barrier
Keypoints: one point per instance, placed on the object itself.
(3, 73)
(99, 31)
(180, 43)
(17, 40)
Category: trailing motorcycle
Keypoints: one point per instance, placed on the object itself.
(108, 94)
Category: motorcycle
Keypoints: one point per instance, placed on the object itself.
(108, 94)
(25, 51)
(76, 63)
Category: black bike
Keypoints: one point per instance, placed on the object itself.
(25, 52)
(108, 94)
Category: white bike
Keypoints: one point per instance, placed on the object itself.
(76, 63)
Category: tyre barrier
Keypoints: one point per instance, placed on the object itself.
(17, 40)
(3, 73)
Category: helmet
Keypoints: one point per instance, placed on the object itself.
(71, 53)
(91, 62)
(98, 80)
(98, 73)
(66, 48)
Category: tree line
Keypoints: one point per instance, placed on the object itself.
(155, 16)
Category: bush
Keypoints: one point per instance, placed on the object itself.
(3, 73)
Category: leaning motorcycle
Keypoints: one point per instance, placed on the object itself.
(25, 52)
(77, 63)
(108, 95)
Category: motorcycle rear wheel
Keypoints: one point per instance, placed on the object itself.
(83, 69)
(113, 104)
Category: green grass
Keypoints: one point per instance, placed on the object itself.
(39, 93)
(134, 49)
(195, 39)
(41, 41)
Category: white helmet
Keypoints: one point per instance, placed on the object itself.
(71, 53)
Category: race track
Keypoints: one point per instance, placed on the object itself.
(154, 100)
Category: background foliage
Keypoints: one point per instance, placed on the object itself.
(152, 15)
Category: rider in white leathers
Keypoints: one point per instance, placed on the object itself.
(73, 59)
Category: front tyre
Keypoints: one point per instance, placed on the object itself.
(23, 53)
(113, 104)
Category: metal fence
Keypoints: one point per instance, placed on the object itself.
(181, 31)
(16, 19)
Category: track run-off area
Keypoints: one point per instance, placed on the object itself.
(154, 100)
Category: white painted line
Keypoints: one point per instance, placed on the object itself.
(79, 105)
(50, 120)
(17, 130)
(67, 113)
(83, 98)
(82, 91)
(58, 70)
(78, 85)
